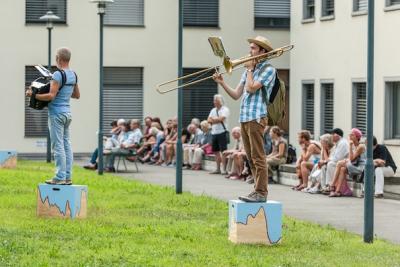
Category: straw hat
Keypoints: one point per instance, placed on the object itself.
(261, 41)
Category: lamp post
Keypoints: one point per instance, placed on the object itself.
(369, 167)
(49, 17)
(101, 5)
(178, 182)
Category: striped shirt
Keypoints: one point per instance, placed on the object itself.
(252, 106)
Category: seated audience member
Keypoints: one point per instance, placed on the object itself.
(185, 141)
(384, 166)
(128, 145)
(194, 140)
(310, 155)
(227, 158)
(239, 170)
(157, 123)
(354, 165)
(147, 125)
(316, 174)
(340, 152)
(156, 137)
(279, 152)
(267, 140)
(147, 138)
(170, 144)
(202, 148)
(169, 133)
(110, 142)
(196, 122)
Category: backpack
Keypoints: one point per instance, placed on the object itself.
(291, 158)
(276, 101)
(39, 104)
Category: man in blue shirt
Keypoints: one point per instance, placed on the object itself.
(60, 116)
(253, 113)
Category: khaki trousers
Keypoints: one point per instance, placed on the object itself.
(272, 162)
(253, 142)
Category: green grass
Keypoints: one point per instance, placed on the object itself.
(136, 224)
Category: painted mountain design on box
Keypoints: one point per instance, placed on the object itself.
(255, 222)
(63, 201)
(8, 159)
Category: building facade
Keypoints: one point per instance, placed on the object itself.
(140, 51)
(329, 68)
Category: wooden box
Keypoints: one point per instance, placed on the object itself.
(253, 223)
(63, 201)
(8, 159)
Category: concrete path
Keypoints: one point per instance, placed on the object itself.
(342, 213)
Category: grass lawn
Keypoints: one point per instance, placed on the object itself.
(136, 224)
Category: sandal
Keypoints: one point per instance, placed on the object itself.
(301, 187)
(297, 186)
(335, 194)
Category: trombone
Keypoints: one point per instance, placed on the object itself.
(228, 64)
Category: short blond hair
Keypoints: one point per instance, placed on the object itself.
(64, 54)
(327, 138)
(205, 124)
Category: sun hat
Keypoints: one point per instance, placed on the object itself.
(261, 41)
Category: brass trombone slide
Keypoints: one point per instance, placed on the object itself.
(229, 65)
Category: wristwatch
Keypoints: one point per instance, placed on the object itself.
(248, 70)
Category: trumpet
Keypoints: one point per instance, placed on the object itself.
(228, 64)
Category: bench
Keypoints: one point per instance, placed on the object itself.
(123, 157)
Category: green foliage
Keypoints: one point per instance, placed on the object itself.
(136, 224)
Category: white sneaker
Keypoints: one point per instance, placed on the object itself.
(314, 190)
(305, 190)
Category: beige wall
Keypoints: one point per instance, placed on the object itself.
(153, 47)
(337, 50)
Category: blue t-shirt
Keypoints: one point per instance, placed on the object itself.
(60, 104)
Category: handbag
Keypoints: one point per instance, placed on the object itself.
(208, 149)
(227, 134)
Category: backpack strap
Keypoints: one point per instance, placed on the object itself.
(63, 78)
(275, 88)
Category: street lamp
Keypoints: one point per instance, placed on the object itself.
(49, 18)
(101, 5)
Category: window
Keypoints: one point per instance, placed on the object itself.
(35, 120)
(392, 110)
(360, 106)
(308, 9)
(308, 107)
(34, 9)
(392, 2)
(272, 14)
(328, 8)
(326, 107)
(125, 13)
(200, 13)
(360, 5)
(198, 98)
(123, 94)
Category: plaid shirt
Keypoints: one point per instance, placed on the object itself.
(252, 106)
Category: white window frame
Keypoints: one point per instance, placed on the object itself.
(354, 104)
(323, 10)
(322, 103)
(303, 112)
(390, 115)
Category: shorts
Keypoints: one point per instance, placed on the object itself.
(354, 170)
(219, 142)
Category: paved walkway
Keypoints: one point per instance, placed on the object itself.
(341, 213)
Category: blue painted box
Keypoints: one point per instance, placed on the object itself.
(63, 201)
(8, 159)
(255, 222)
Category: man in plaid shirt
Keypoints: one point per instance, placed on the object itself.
(253, 113)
